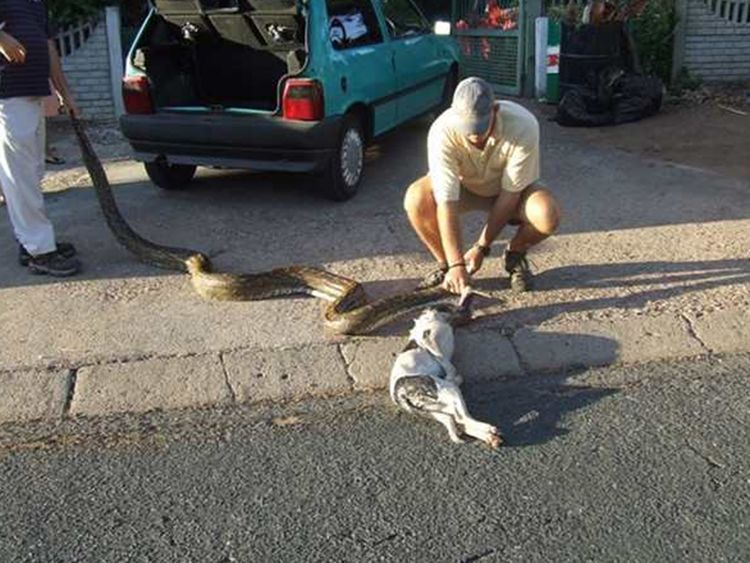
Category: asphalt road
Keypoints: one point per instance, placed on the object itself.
(645, 463)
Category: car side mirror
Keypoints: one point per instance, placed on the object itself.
(442, 28)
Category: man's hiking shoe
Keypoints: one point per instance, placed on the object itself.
(521, 278)
(433, 279)
(63, 248)
(54, 264)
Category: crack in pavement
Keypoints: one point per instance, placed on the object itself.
(232, 393)
(521, 362)
(70, 392)
(347, 365)
(690, 327)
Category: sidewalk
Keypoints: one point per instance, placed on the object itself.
(650, 264)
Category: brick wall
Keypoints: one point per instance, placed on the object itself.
(715, 49)
(87, 71)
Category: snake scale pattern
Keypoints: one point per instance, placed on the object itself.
(348, 310)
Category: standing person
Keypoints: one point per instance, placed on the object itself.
(483, 155)
(29, 60)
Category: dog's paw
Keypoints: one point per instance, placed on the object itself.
(494, 440)
(491, 436)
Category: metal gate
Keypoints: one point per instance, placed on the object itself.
(489, 33)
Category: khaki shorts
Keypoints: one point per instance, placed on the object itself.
(469, 202)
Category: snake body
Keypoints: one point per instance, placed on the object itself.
(348, 311)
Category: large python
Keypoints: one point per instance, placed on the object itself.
(348, 311)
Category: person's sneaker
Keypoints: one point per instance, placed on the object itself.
(64, 248)
(433, 279)
(54, 264)
(521, 278)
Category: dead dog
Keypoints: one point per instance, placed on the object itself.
(424, 381)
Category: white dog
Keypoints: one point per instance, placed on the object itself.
(423, 379)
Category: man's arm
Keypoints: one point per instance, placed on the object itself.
(502, 212)
(446, 188)
(58, 79)
(450, 231)
(457, 279)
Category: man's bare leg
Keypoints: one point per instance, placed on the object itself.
(421, 209)
(539, 216)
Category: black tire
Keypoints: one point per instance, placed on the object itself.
(170, 176)
(341, 180)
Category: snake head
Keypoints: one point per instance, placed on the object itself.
(198, 264)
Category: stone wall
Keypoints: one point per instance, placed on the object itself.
(715, 47)
(87, 68)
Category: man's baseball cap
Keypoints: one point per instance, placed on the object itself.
(472, 106)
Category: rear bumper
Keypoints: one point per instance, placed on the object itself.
(259, 142)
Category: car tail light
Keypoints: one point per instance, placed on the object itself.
(303, 100)
(136, 95)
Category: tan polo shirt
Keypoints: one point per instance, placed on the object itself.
(509, 160)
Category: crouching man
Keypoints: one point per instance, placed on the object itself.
(483, 155)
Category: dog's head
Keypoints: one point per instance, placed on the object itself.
(433, 332)
(458, 311)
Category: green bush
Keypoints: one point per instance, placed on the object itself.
(67, 12)
(653, 34)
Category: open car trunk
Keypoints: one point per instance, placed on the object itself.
(221, 53)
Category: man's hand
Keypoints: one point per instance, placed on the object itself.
(474, 258)
(70, 106)
(12, 49)
(59, 82)
(457, 280)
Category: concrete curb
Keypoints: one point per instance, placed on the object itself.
(278, 374)
(40, 394)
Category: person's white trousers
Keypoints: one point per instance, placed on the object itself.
(21, 171)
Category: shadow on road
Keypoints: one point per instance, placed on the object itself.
(532, 411)
(636, 274)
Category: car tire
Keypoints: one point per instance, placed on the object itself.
(169, 176)
(344, 174)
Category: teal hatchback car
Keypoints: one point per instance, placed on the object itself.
(281, 85)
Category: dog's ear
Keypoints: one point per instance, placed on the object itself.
(438, 340)
(427, 341)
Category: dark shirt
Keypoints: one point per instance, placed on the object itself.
(26, 20)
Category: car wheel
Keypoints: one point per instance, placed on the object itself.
(169, 176)
(345, 170)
